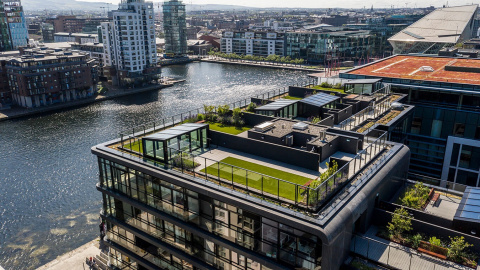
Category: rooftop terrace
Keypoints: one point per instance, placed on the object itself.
(410, 67)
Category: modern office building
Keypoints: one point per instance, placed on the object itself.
(443, 27)
(172, 200)
(13, 27)
(256, 43)
(48, 32)
(445, 133)
(329, 45)
(175, 27)
(129, 43)
(42, 77)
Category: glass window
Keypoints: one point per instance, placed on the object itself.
(459, 129)
(416, 125)
(467, 178)
(454, 157)
(437, 128)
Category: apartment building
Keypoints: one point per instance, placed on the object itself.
(253, 43)
(42, 77)
(129, 44)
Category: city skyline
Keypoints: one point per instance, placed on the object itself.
(315, 4)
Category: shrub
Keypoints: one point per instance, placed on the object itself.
(186, 161)
(457, 247)
(200, 117)
(416, 240)
(237, 117)
(209, 112)
(251, 107)
(416, 197)
(223, 110)
(435, 241)
(337, 86)
(325, 85)
(400, 223)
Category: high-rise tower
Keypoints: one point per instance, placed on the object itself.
(129, 43)
(13, 28)
(175, 28)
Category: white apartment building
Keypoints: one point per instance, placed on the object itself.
(256, 43)
(129, 42)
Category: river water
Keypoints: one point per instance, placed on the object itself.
(48, 201)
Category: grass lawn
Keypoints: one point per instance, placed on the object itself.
(292, 98)
(270, 185)
(318, 87)
(227, 128)
(134, 146)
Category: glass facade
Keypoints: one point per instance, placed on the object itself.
(325, 46)
(268, 238)
(167, 145)
(175, 26)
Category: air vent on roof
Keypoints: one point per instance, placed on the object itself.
(427, 69)
(264, 127)
(300, 126)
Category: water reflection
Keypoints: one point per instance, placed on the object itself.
(48, 201)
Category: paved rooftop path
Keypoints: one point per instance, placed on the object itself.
(395, 255)
(75, 259)
(446, 206)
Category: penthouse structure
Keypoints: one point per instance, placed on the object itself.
(445, 132)
(129, 43)
(184, 196)
(13, 27)
(42, 77)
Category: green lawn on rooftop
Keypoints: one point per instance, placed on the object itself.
(318, 87)
(228, 128)
(270, 185)
(134, 146)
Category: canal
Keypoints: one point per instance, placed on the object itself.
(48, 201)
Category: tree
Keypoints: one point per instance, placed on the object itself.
(457, 247)
(400, 223)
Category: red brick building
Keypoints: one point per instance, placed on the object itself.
(45, 77)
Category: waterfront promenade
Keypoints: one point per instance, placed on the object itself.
(17, 112)
(75, 259)
(261, 64)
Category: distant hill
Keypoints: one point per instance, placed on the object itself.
(63, 5)
(218, 7)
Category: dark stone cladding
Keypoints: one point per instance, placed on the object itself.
(194, 230)
(159, 243)
(132, 255)
(334, 231)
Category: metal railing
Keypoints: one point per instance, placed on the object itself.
(369, 113)
(397, 257)
(260, 185)
(174, 120)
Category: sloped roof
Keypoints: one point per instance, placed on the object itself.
(444, 25)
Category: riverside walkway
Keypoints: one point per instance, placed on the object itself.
(261, 64)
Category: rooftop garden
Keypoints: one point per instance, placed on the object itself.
(328, 87)
(292, 98)
(253, 178)
(454, 249)
(414, 196)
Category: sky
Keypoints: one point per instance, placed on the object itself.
(326, 4)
